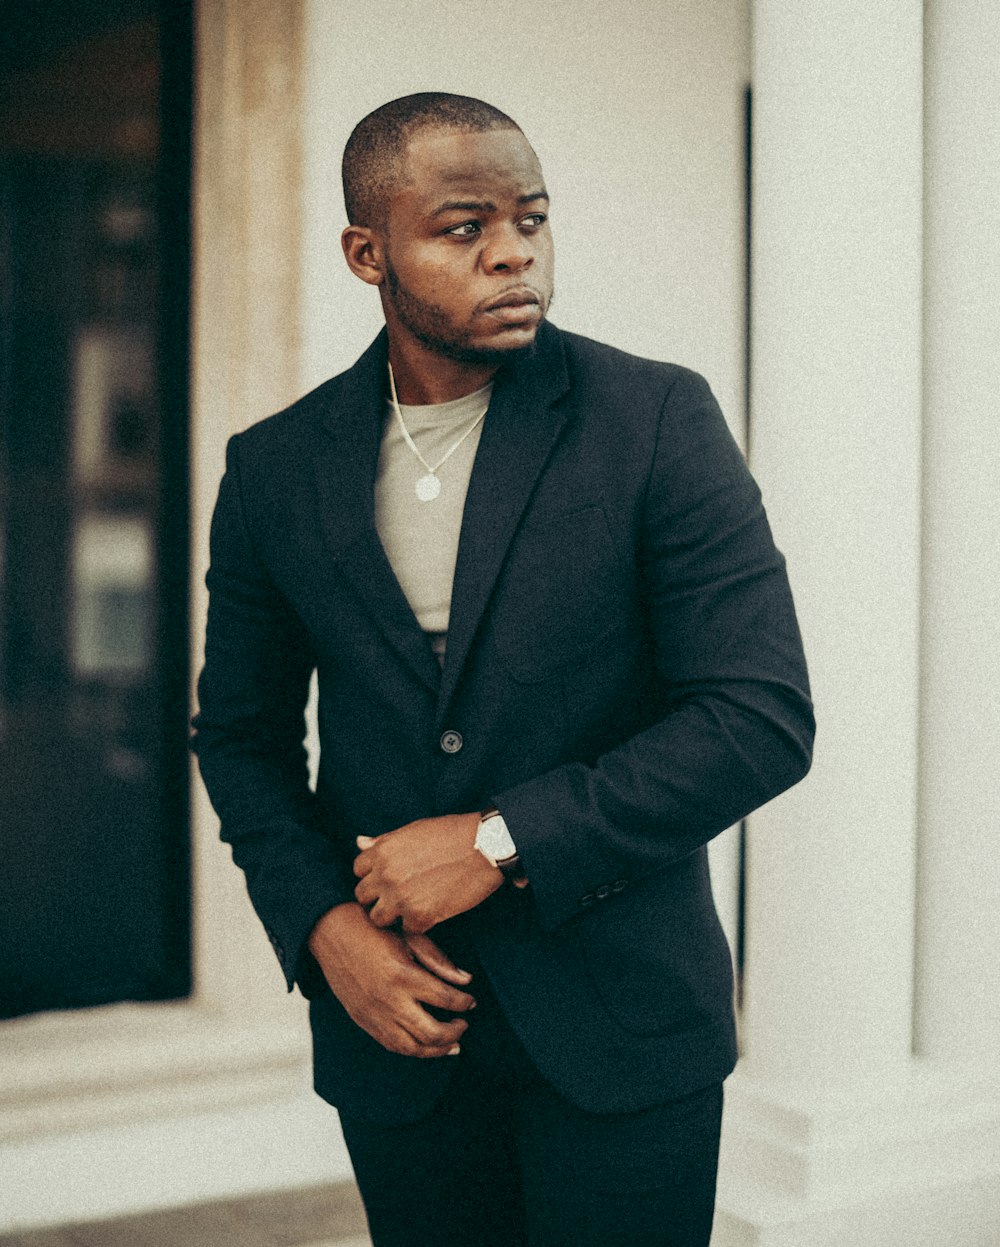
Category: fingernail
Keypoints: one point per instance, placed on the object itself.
(364, 841)
(454, 1051)
(464, 974)
(473, 1005)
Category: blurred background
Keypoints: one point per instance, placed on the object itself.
(95, 143)
(801, 205)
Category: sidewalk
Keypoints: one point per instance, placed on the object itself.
(325, 1216)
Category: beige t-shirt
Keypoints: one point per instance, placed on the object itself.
(421, 538)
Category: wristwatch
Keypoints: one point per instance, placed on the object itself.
(494, 841)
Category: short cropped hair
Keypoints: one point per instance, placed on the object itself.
(374, 153)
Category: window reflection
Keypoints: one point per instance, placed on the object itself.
(112, 574)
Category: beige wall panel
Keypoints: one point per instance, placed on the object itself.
(246, 364)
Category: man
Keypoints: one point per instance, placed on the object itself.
(556, 654)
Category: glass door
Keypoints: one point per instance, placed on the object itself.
(94, 184)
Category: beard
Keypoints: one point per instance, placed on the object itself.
(431, 326)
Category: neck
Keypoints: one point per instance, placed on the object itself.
(424, 377)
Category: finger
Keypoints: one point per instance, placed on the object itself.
(415, 924)
(449, 998)
(383, 914)
(429, 955)
(432, 991)
(423, 1051)
(366, 892)
(363, 864)
(431, 1050)
(429, 1031)
(398, 1039)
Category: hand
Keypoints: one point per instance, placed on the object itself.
(383, 979)
(424, 872)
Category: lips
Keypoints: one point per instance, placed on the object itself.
(514, 298)
(515, 311)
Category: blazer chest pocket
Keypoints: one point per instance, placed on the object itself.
(561, 596)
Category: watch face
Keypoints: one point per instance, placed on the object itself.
(493, 838)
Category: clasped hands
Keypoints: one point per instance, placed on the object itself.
(420, 874)
(423, 873)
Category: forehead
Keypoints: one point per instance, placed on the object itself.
(445, 162)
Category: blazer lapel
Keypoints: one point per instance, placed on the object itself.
(345, 465)
(521, 428)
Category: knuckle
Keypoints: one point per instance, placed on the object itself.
(431, 1033)
(401, 1042)
(412, 974)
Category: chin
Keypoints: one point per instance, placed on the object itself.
(496, 351)
(492, 355)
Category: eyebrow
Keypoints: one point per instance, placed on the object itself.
(484, 205)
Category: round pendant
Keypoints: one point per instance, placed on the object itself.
(428, 487)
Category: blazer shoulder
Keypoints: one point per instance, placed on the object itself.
(603, 369)
(348, 397)
(286, 426)
(589, 358)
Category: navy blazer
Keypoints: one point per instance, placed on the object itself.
(624, 679)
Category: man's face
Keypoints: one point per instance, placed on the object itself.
(468, 251)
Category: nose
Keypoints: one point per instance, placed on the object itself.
(508, 251)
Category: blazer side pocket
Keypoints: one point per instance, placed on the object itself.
(659, 963)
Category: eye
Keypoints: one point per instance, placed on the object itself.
(468, 229)
(534, 221)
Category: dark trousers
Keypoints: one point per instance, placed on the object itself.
(504, 1161)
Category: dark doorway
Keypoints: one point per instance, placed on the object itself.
(95, 113)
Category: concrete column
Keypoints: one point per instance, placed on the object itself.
(837, 1135)
(835, 439)
(958, 929)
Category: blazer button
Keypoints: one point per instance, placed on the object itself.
(604, 891)
(619, 885)
(451, 742)
(587, 900)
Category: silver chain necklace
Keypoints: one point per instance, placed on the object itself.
(428, 487)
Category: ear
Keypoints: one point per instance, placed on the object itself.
(363, 253)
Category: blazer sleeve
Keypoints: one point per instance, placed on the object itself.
(249, 736)
(737, 724)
